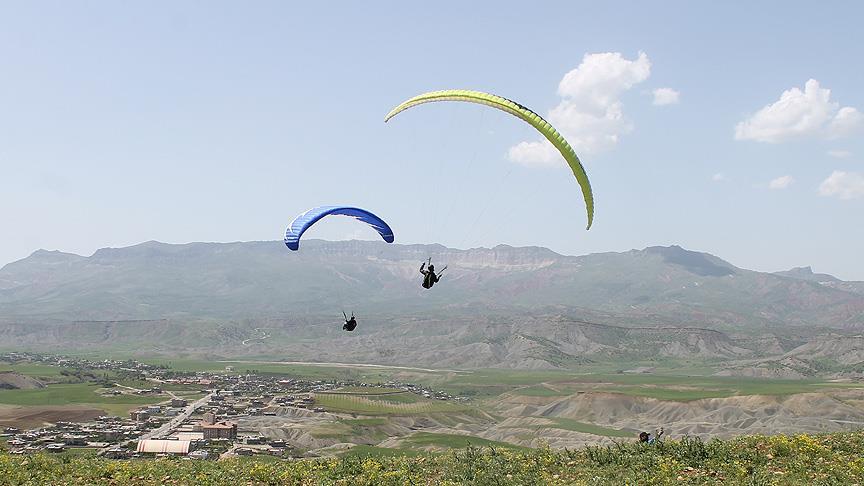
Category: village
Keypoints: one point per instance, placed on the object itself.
(198, 415)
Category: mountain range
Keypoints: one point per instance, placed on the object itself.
(501, 306)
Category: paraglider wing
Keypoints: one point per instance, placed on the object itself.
(304, 221)
(524, 114)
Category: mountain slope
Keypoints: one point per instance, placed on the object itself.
(806, 273)
(261, 279)
(501, 307)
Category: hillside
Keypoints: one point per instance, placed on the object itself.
(806, 273)
(262, 279)
(11, 380)
(800, 459)
(501, 307)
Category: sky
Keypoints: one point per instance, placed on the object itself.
(734, 128)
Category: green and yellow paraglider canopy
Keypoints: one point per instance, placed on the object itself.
(521, 112)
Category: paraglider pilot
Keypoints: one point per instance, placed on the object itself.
(350, 324)
(429, 276)
(646, 438)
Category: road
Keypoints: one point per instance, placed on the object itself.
(354, 365)
(176, 421)
(262, 337)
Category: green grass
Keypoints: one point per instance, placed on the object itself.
(668, 394)
(366, 451)
(483, 384)
(332, 431)
(375, 406)
(259, 459)
(367, 422)
(576, 426)
(146, 385)
(453, 441)
(662, 387)
(35, 370)
(79, 451)
(541, 391)
(311, 372)
(75, 394)
(754, 460)
(391, 395)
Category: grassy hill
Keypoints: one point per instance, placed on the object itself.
(802, 459)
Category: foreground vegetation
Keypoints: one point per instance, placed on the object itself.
(803, 459)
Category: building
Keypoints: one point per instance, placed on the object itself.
(178, 402)
(139, 415)
(153, 446)
(74, 440)
(219, 430)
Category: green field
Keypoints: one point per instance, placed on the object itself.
(542, 391)
(79, 452)
(35, 370)
(663, 387)
(453, 441)
(311, 372)
(76, 394)
(145, 384)
(689, 383)
(389, 395)
(366, 422)
(375, 405)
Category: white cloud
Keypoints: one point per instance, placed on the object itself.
(666, 96)
(800, 114)
(719, 177)
(535, 154)
(781, 182)
(843, 185)
(590, 114)
(840, 154)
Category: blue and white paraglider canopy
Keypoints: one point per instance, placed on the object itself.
(304, 221)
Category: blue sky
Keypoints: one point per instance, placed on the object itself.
(217, 121)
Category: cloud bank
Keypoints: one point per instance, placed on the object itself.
(800, 114)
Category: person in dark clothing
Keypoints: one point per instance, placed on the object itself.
(647, 438)
(350, 324)
(430, 278)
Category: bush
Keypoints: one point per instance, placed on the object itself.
(802, 459)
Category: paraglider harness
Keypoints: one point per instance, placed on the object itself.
(350, 324)
(429, 277)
